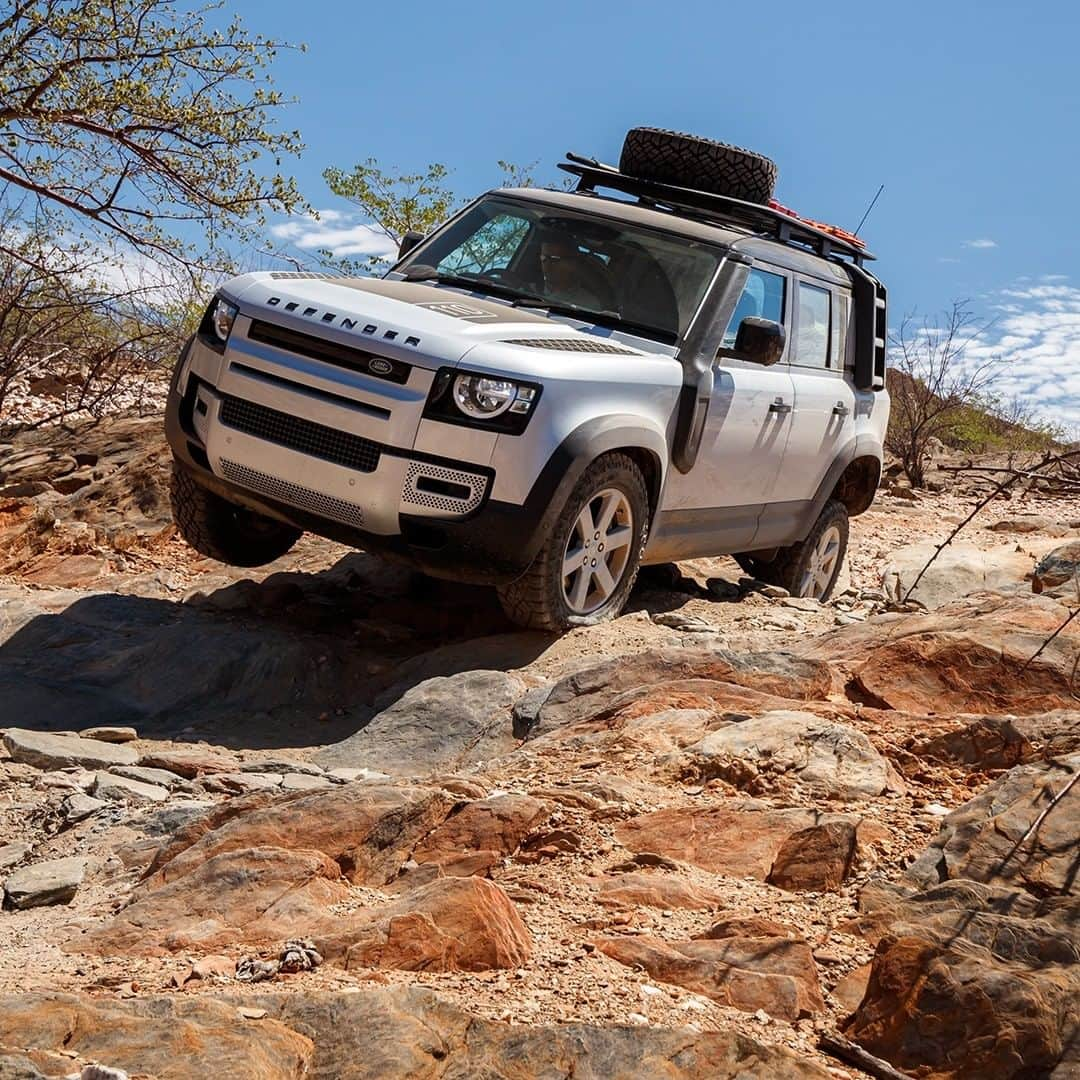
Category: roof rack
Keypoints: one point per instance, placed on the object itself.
(764, 220)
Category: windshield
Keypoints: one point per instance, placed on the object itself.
(645, 282)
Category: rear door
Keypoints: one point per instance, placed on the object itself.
(822, 419)
(715, 507)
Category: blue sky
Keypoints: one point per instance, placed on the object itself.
(966, 112)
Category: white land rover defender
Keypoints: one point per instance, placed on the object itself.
(552, 389)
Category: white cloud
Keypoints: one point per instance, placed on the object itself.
(1036, 335)
(335, 231)
(980, 244)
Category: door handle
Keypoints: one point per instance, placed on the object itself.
(840, 409)
(780, 406)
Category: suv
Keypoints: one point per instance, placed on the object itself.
(553, 389)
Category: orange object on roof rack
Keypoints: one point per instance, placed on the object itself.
(832, 230)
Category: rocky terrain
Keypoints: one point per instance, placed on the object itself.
(334, 819)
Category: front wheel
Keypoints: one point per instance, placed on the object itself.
(811, 567)
(588, 565)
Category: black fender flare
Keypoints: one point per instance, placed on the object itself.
(859, 447)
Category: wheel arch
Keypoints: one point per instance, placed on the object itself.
(858, 483)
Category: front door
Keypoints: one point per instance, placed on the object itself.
(716, 506)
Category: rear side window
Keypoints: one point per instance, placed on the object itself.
(762, 298)
(815, 320)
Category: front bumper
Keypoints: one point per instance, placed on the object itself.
(434, 513)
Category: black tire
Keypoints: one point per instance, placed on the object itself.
(669, 157)
(221, 530)
(789, 568)
(537, 600)
(750, 566)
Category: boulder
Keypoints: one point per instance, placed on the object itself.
(753, 840)
(678, 679)
(125, 789)
(822, 756)
(959, 570)
(12, 854)
(255, 895)
(1059, 570)
(369, 830)
(189, 762)
(452, 924)
(54, 881)
(972, 656)
(1029, 523)
(410, 1032)
(665, 891)
(169, 1038)
(950, 1012)
(776, 974)
(78, 806)
(1019, 831)
(441, 723)
(44, 750)
(106, 733)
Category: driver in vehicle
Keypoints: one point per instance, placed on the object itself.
(571, 276)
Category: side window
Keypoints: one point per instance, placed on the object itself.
(762, 298)
(840, 350)
(812, 335)
(491, 247)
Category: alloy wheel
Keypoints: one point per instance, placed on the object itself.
(821, 564)
(597, 551)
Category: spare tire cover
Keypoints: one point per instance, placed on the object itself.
(669, 157)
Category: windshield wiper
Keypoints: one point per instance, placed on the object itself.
(610, 319)
(477, 283)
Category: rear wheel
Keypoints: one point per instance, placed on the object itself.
(221, 530)
(811, 567)
(588, 565)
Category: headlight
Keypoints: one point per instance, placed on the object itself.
(483, 398)
(481, 401)
(222, 317)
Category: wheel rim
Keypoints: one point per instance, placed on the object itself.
(822, 564)
(597, 551)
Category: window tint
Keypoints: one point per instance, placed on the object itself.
(812, 339)
(762, 298)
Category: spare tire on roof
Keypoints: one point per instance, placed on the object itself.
(670, 157)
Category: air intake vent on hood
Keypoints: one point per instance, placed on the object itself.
(574, 345)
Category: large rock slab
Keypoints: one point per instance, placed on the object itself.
(972, 656)
(827, 758)
(410, 1032)
(255, 895)
(794, 848)
(1021, 830)
(169, 1038)
(369, 830)
(776, 974)
(959, 570)
(1058, 571)
(44, 750)
(953, 1013)
(55, 881)
(665, 891)
(439, 724)
(649, 682)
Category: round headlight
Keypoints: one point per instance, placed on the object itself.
(483, 398)
(223, 318)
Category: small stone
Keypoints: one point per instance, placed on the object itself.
(210, 967)
(247, 1012)
(281, 765)
(110, 734)
(160, 777)
(775, 592)
(101, 1072)
(801, 603)
(10, 854)
(349, 775)
(54, 881)
(124, 789)
(79, 806)
(936, 809)
(722, 589)
(304, 782)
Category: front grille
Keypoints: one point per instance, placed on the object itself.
(574, 345)
(304, 436)
(473, 484)
(314, 501)
(329, 352)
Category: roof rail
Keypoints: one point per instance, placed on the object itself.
(722, 209)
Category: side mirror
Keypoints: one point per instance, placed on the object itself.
(761, 341)
(408, 242)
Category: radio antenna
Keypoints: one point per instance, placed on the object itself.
(862, 222)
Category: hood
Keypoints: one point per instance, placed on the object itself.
(420, 323)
